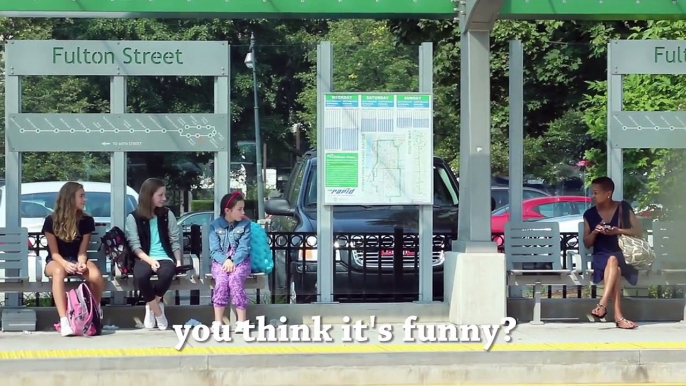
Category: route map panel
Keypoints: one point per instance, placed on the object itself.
(648, 129)
(378, 149)
(117, 132)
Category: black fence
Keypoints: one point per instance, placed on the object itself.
(368, 267)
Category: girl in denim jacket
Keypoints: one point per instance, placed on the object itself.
(229, 238)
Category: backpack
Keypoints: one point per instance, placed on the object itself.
(117, 249)
(261, 258)
(83, 312)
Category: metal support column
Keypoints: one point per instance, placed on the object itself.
(615, 156)
(118, 169)
(516, 129)
(516, 139)
(118, 164)
(426, 212)
(325, 260)
(222, 158)
(13, 175)
(474, 225)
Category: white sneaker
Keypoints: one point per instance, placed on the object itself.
(149, 320)
(162, 322)
(65, 328)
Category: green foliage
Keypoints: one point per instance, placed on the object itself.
(366, 58)
(652, 176)
(199, 205)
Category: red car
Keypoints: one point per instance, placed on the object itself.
(541, 207)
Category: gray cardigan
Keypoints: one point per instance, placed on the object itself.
(135, 242)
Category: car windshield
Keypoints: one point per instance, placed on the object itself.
(501, 210)
(445, 193)
(97, 203)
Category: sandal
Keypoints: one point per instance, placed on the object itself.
(599, 316)
(631, 324)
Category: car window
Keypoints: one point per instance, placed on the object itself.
(444, 191)
(97, 203)
(501, 210)
(196, 219)
(533, 194)
(34, 210)
(501, 197)
(555, 209)
(295, 184)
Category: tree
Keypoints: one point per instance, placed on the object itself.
(366, 58)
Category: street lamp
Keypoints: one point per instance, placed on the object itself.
(251, 63)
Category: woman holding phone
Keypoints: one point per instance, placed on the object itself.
(601, 231)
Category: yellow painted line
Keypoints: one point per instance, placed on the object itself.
(294, 349)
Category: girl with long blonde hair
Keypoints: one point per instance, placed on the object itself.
(68, 231)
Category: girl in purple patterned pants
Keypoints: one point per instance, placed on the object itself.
(230, 285)
(229, 239)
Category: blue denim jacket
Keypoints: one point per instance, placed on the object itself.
(225, 236)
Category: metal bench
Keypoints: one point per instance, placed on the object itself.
(646, 275)
(14, 259)
(533, 254)
(670, 257)
(185, 281)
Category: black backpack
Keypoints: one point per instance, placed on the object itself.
(116, 247)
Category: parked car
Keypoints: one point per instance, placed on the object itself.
(368, 272)
(501, 194)
(193, 218)
(542, 207)
(38, 201)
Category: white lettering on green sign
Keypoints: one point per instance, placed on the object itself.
(129, 55)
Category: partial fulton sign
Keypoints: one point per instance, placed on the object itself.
(647, 57)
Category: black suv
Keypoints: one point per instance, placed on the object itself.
(363, 273)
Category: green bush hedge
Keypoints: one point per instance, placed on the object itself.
(197, 205)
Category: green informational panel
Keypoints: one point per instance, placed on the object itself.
(117, 132)
(378, 149)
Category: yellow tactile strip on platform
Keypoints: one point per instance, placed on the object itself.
(335, 349)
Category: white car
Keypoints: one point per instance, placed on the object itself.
(38, 200)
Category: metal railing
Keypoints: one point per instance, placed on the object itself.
(369, 267)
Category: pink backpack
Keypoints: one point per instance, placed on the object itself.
(83, 312)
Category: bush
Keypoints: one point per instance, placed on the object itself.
(198, 205)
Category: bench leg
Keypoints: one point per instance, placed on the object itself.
(537, 305)
(684, 319)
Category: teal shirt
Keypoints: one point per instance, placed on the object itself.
(156, 250)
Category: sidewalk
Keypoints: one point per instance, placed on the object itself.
(552, 353)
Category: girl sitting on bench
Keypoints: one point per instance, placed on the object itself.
(68, 231)
(153, 235)
(229, 238)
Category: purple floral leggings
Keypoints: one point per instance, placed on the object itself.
(230, 285)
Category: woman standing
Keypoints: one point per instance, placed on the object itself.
(68, 231)
(153, 235)
(601, 231)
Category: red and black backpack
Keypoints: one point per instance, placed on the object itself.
(117, 249)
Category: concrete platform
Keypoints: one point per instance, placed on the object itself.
(572, 353)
